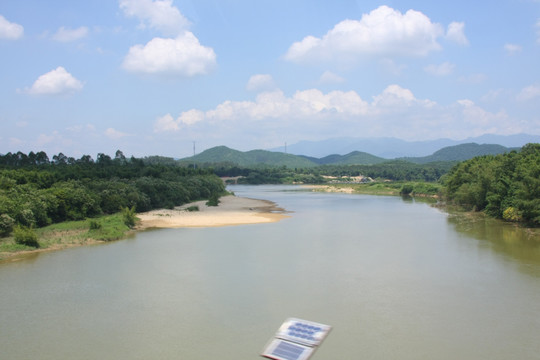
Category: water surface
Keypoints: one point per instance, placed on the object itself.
(396, 279)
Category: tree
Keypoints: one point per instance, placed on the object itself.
(6, 225)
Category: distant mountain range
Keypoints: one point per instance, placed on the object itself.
(391, 148)
(223, 154)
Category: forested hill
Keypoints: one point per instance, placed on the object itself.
(505, 186)
(353, 158)
(225, 155)
(460, 153)
(36, 192)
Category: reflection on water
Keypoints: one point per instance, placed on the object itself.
(510, 241)
(397, 279)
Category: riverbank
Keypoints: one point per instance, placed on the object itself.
(231, 210)
(392, 188)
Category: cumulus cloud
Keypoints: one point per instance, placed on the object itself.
(183, 56)
(55, 82)
(9, 30)
(529, 93)
(312, 114)
(159, 14)
(384, 31)
(440, 70)
(456, 33)
(67, 35)
(261, 82)
(396, 96)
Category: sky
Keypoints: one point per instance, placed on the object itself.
(162, 77)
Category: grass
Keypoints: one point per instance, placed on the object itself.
(68, 234)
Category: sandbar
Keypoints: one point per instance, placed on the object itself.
(232, 210)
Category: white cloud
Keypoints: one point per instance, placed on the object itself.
(66, 35)
(55, 82)
(159, 14)
(9, 30)
(512, 49)
(456, 33)
(272, 117)
(529, 93)
(183, 56)
(384, 31)
(480, 121)
(166, 123)
(114, 134)
(329, 77)
(261, 82)
(396, 96)
(440, 70)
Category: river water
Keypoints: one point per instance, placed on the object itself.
(396, 279)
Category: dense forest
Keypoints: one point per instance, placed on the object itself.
(36, 191)
(505, 186)
(391, 170)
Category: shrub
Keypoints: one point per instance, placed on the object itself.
(193, 208)
(511, 214)
(6, 225)
(213, 200)
(95, 225)
(128, 216)
(406, 189)
(25, 236)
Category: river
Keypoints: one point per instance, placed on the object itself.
(396, 279)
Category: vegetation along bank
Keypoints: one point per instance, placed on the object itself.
(54, 203)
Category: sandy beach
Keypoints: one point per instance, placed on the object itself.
(232, 210)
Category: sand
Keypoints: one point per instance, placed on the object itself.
(231, 210)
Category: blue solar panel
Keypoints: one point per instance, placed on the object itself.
(302, 331)
(296, 340)
(287, 350)
(279, 349)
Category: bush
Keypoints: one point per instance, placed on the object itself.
(128, 216)
(193, 208)
(6, 225)
(95, 225)
(25, 236)
(406, 189)
(213, 200)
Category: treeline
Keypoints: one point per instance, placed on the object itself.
(36, 191)
(391, 170)
(505, 186)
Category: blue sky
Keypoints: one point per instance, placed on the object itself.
(150, 77)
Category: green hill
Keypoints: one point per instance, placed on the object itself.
(223, 154)
(460, 153)
(353, 158)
